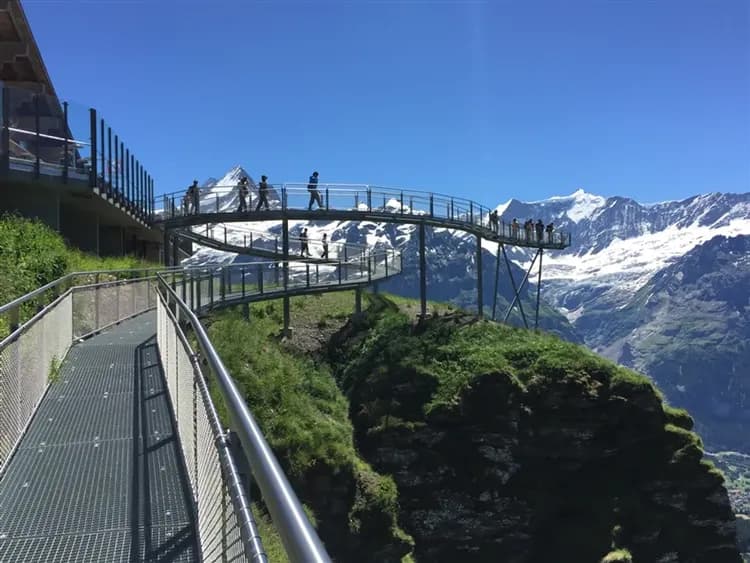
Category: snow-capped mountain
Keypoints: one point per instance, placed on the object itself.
(605, 284)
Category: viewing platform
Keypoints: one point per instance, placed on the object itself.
(353, 202)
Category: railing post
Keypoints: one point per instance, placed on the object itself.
(96, 301)
(66, 150)
(369, 199)
(37, 137)
(242, 273)
(260, 278)
(432, 209)
(94, 149)
(402, 203)
(217, 203)
(307, 272)
(222, 284)
(5, 142)
(356, 201)
(317, 273)
(109, 161)
(339, 271)
(283, 197)
(471, 212)
(225, 234)
(326, 199)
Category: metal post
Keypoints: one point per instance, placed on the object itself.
(66, 150)
(117, 172)
(369, 199)
(109, 159)
(37, 137)
(326, 199)
(515, 290)
(94, 148)
(538, 290)
(480, 296)
(260, 278)
(6, 131)
(432, 208)
(285, 254)
(128, 177)
(422, 272)
(497, 280)
(358, 300)
(120, 167)
(242, 272)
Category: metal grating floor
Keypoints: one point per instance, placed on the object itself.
(98, 476)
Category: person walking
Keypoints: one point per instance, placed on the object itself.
(243, 190)
(493, 221)
(312, 187)
(303, 244)
(192, 197)
(324, 242)
(262, 193)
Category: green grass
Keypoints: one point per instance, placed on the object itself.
(304, 416)
(32, 255)
(453, 352)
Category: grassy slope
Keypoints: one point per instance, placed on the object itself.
(32, 254)
(305, 418)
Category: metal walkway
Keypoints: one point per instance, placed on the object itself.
(99, 475)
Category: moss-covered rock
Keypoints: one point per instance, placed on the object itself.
(515, 446)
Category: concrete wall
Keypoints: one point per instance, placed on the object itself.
(80, 228)
(31, 201)
(111, 240)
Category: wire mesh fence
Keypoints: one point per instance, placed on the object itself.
(31, 355)
(204, 446)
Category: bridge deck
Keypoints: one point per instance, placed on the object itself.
(98, 475)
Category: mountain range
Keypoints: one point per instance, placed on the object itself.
(663, 288)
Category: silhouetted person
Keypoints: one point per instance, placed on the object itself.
(540, 231)
(493, 220)
(514, 227)
(304, 248)
(312, 187)
(324, 255)
(243, 191)
(550, 229)
(528, 226)
(262, 193)
(193, 197)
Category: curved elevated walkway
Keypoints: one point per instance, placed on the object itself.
(268, 248)
(356, 203)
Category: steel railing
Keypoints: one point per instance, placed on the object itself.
(204, 288)
(30, 354)
(68, 312)
(199, 424)
(375, 201)
(268, 244)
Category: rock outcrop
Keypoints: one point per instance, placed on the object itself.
(511, 446)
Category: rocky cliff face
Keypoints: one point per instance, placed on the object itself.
(510, 446)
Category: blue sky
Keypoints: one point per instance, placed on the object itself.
(490, 100)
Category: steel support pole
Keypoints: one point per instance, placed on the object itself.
(94, 150)
(66, 149)
(285, 251)
(520, 287)
(515, 289)
(37, 138)
(497, 281)
(5, 142)
(422, 272)
(538, 290)
(480, 296)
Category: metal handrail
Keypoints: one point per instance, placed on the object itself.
(300, 540)
(450, 211)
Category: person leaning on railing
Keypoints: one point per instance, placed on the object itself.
(550, 228)
(243, 191)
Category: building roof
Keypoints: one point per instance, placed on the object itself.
(21, 63)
